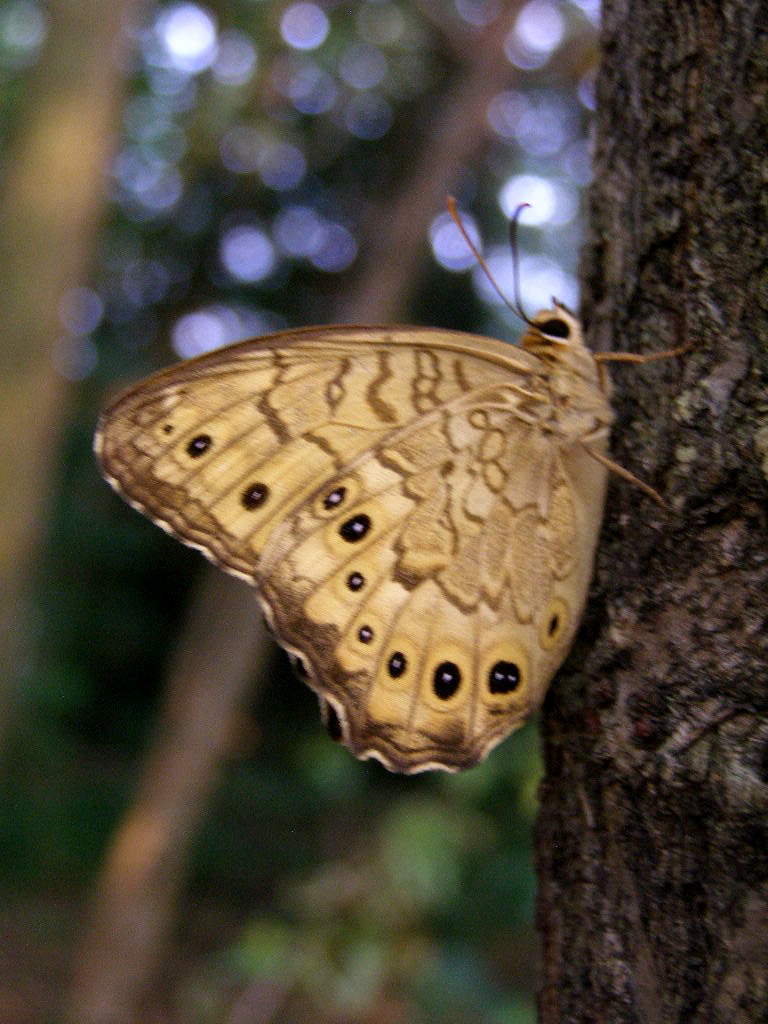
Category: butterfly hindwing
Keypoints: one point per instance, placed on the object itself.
(431, 596)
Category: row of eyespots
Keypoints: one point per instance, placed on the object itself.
(256, 493)
(504, 676)
(253, 496)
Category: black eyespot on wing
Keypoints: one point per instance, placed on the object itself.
(355, 529)
(397, 664)
(446, 680)
(334, 498)
(504, 677)
(365, 634)
(555, 328)
(355, 581)
(553, 624)
(199, 445)
(168, 428)
(255, 494)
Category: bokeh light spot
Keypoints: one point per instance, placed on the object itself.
(216, 325)
(362, 66)
(529, 188)
(577, 162)
(337, 249)
(281, 165)
(478, 12)
(541, 278)
(75, 358)
(304, 26)
(545, 125)
(538, 32)
(448, 246)
(188, 36)
(81, 310)
(505, 111)
(590, 8)
(23, 28)
(235, 60)
(586, 90)
(240, 146)
(368, 116)
(311, 89)
(149, 184)
(299, 230)
(247, 253)
(551, 202)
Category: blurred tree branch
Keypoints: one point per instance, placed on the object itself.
(459, 130)
(51, 200)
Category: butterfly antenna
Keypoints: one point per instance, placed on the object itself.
(517, 306)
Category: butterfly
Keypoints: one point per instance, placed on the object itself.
(418, 510)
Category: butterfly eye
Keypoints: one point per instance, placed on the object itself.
(199, 445)
(555, 328)
(446, 680)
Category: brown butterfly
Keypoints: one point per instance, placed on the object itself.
(418, 511)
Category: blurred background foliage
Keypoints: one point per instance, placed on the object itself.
(260, 145)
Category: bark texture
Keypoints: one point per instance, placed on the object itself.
(652, 845)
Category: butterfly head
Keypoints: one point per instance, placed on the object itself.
(552, 331)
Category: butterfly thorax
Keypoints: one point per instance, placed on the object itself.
(577, 391)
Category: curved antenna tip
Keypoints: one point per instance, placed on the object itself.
(517, 307)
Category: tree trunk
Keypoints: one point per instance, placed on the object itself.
(51, 199)
(652, 844)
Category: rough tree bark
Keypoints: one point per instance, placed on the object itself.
(652, 844)
(50, 203)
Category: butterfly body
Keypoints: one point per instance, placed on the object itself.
(418, 510)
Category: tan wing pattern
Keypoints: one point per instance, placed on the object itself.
(414, 507)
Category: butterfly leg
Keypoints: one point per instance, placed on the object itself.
(614, 467)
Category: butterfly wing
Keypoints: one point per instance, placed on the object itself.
(218, 449)
(402, 506)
